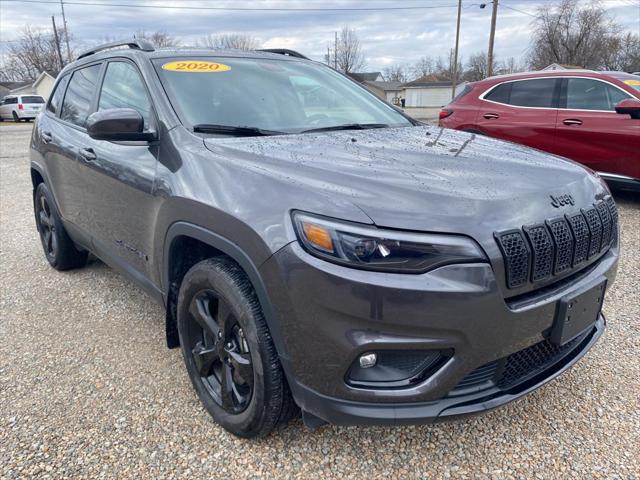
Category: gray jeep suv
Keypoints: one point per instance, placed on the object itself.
(315, 248)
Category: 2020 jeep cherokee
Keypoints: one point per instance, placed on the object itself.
(312, 245)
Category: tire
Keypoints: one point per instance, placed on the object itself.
(228, 351)
(15, 117)
(59, 249)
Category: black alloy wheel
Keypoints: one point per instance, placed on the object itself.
(220, 351)
(46, 227)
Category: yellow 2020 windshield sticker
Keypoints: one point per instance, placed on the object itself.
(196, 66)
(632, 82)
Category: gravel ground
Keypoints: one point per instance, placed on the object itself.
(89, 390)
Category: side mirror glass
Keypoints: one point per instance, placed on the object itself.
(118, 124)
(630, 106)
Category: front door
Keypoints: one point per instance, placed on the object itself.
(589, 130)
(118, 178)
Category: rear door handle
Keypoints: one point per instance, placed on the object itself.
(491, 116)
(88, 154)
(46, 137)
(572, 121)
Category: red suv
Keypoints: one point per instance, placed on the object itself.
(590, 117)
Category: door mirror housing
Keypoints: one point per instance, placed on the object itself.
(118, 125)
(629, 106)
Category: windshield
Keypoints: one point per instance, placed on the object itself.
(32, 99)
(272, 95)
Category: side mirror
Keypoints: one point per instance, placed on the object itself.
(630, 106)
(118, 124)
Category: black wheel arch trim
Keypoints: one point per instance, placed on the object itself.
(233, 251)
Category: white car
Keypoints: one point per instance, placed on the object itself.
(21, 107)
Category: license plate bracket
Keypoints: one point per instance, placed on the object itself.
(577, 311)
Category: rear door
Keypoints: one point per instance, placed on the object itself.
(32, 104)
(521, 111)
(589, 130)
(118, 177)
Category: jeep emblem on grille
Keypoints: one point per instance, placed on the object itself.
(561, 200)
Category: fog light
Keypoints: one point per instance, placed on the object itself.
(368, 360)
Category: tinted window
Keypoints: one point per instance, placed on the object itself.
(56, 98)
(11, 101)
(500, 94)
(461, 94)
(32, 99)
(123, 88)
(273, 94)
(588, 94)
(77, 101)
(533, 93)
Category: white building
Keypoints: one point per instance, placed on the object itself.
(41, 86)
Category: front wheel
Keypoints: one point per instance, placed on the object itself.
(228, 350)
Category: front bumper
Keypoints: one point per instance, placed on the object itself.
(328, 315)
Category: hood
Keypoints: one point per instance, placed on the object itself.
(421, 178)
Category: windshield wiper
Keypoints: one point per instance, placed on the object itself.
(347, 126)
(240, 131)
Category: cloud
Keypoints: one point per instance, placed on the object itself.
(387, 37)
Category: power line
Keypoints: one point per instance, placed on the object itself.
(238, 9)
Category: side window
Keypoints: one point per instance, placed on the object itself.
(77, 101)
(500, 93)
(533, 93)
(588, 94)
(124, 88)
(56, 99)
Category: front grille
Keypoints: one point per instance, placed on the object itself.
(538, 252)
(519, 366)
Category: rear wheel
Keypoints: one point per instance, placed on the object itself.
(15, 117)
(59, 249)
(228, 350)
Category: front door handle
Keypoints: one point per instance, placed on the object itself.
(46, 137)
(572, 121)
(88, 154)
(491, 116)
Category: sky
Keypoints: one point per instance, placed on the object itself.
(387, 36)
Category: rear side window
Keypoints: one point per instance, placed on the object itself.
(10, 101)
(56, 98)
(32, 99)
(588, 94)
(525, 93)
(77, 101)
(124, 88)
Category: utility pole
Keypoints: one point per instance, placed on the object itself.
(66, 32)
(454, 80)
(55, 35)
(335, 50)
(492, 35)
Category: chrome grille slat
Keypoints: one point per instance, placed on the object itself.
(538, 252)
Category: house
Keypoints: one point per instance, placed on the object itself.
(425, 97)
(392, 92)
(561, 66)
(6, 87)
(41, 86)
(362, 77)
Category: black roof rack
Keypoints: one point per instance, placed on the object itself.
(137, 44)
(283, 51)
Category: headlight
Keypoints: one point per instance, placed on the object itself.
(372, 248)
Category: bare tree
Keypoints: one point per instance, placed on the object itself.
(509, 65)
(444, 68)
(349, 57)
(159, 39)
(33, 53)
(572, 33)
(423, 68)
(478, 67)
(623, 53)
(395, 73)
(239, 41)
